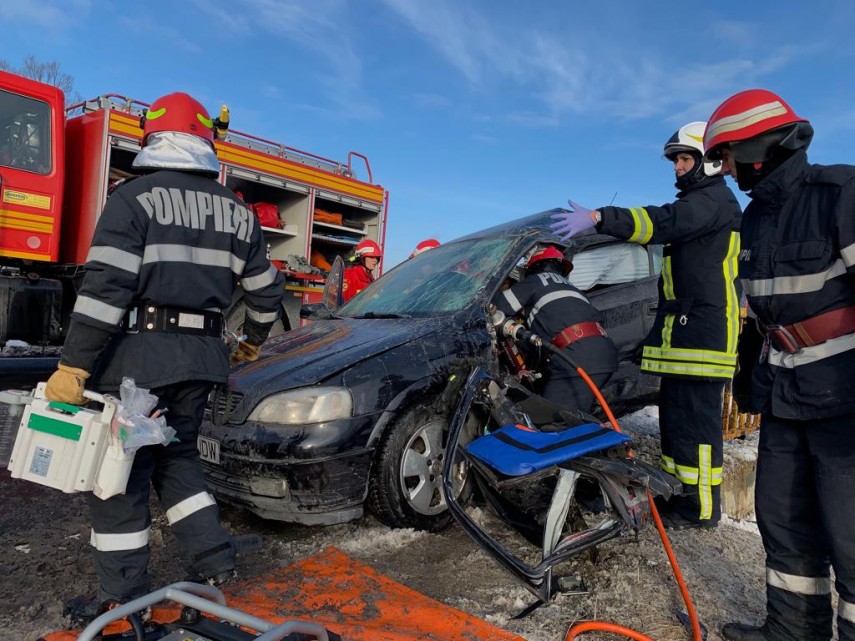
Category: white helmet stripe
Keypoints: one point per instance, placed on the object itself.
(746, 119)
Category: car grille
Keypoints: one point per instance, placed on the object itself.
(222, 404)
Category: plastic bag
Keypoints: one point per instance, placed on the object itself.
(134, 423)
(114, 471)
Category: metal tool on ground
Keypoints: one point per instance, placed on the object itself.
(329, 591)
(198, 599)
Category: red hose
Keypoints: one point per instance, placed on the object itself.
(604, 626)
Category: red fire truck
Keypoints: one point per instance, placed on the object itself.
(57, 162)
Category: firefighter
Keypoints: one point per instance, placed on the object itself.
(692, 345)
(360, 275)
(797, 267)
(425, 245)
(555, 310)
(169, 249)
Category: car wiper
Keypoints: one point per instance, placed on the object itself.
(380, 315)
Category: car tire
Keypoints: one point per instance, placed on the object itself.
(405, 488)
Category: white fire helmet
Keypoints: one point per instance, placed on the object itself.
(690, 138)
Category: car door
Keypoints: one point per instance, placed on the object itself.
(620, 279)
(332, 296)
(624, 287)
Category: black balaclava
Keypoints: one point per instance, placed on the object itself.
(694, 175)
(758, 157)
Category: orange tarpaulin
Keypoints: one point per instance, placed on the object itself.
(350, 599)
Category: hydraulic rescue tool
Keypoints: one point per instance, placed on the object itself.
(561, 478)
(197, 599)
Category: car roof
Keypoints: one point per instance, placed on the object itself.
(537, 225)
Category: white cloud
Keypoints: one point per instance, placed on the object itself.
(484, 139)
(175, 38)
(731, 32)
(451, 29)
(431, 100)
(56, 15)
(532, 119)
(321, 28)
(586, 73)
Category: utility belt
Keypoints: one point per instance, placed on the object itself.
(173, 320)
(813, 331)
(573, 333)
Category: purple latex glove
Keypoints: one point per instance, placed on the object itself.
(574, 222)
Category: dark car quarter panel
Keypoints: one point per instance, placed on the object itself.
(623, 306)
(629, 310)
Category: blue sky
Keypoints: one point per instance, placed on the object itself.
(472, 112)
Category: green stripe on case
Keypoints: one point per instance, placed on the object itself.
(53, 426)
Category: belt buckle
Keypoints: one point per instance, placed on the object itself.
(134, 319)
(577, 331)
(784, 338)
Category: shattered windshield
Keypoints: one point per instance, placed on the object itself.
(440, 281)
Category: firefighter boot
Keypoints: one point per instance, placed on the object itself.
(82, 610)
(242, 544)
(744, 632)
(676, 521)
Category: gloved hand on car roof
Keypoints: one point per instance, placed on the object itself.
(245, 353)
(66, 385)
(574, 222)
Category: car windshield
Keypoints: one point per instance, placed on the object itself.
(440, 281)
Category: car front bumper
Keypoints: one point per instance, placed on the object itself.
(308, 474)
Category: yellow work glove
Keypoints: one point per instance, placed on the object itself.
(66, 385)
(245, 353)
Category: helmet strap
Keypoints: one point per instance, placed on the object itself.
(694, 175)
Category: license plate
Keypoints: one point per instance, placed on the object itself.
(209, 449)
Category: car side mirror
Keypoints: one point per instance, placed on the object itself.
(316, 311)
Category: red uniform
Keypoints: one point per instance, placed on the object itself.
(356, 278)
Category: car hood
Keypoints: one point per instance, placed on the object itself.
(311, 354)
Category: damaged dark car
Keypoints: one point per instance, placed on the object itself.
(352, 410)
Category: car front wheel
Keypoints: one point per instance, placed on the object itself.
(405, 489)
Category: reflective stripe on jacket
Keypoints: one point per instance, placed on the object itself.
(798, 261)
(697, 323)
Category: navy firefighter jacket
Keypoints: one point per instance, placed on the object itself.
(173, 239)
(798, 261)
(549, 304)
(697, 324)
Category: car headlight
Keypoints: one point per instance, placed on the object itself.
(307, 405)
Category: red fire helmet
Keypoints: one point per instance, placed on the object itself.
(368, 249)
(430, 243)
(746, 115)
(177, 112)
(550, 253)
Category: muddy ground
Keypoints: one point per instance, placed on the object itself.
(44, 546)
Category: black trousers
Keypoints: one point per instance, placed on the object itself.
(121, 524)
(571, 391)
(805, 502)
(692, 446)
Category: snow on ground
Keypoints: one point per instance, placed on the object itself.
(44, 538)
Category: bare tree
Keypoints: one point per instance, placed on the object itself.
(47, 72)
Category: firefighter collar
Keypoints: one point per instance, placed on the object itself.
(176, 150)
